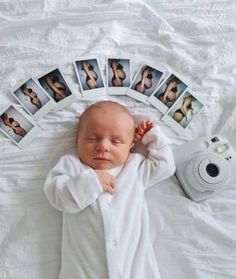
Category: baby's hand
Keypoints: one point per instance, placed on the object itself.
(107, 181)
(142, 129)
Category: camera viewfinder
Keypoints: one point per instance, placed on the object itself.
(215, 139)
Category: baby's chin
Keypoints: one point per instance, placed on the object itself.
(100, 165)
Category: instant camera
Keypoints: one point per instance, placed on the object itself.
(205, 166)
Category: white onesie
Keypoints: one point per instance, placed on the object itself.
(107, 236)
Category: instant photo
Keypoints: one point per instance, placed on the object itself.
(183, 112)
(118, 75)
(18, 126)
(90, 79)
(56, 86)
(167, 93)
(145, 83)
(33, 98)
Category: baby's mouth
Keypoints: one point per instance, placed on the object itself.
(101, 159)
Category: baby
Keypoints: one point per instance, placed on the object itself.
(101, 194)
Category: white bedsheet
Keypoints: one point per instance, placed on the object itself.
(194, 38)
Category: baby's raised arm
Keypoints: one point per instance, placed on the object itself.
(159, 164)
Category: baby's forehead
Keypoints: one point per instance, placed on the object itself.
(108, 107)
(109, 111)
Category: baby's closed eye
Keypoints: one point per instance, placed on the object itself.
(116, 141)
(91, 139)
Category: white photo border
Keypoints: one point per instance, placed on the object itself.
(112, 90)
(153, 100)
(168, 116)
(40, 112)
(90, 93)
(137, 95)
(31, 134)
(67, 100)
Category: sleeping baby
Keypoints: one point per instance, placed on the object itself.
(101, 194)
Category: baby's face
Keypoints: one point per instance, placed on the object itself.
(105, 138)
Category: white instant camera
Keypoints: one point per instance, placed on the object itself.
(205, 166)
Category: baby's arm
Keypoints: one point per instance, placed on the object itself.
(70, 187)
(159, 164)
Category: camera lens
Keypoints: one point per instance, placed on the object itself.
(212, 170)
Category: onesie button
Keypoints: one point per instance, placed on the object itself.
(114, 243)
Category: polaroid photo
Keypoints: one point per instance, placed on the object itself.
(17, 125)
(145, 82)
(118, 75)
(56, 86)
(183, 112)
(33, 98)
(167, 92)
(90, 78)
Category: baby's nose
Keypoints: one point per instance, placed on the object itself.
(104, 145)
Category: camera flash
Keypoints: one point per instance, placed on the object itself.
(222, 148)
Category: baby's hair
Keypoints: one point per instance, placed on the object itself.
(103, 105)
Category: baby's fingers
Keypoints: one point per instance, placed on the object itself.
(149, 124)
(137, 137)
(110, 190)
(139, 129)
(113, 182)
(111, 185)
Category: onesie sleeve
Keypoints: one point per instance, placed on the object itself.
(70, 187)
(159, 164)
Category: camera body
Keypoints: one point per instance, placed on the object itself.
(205, 166)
